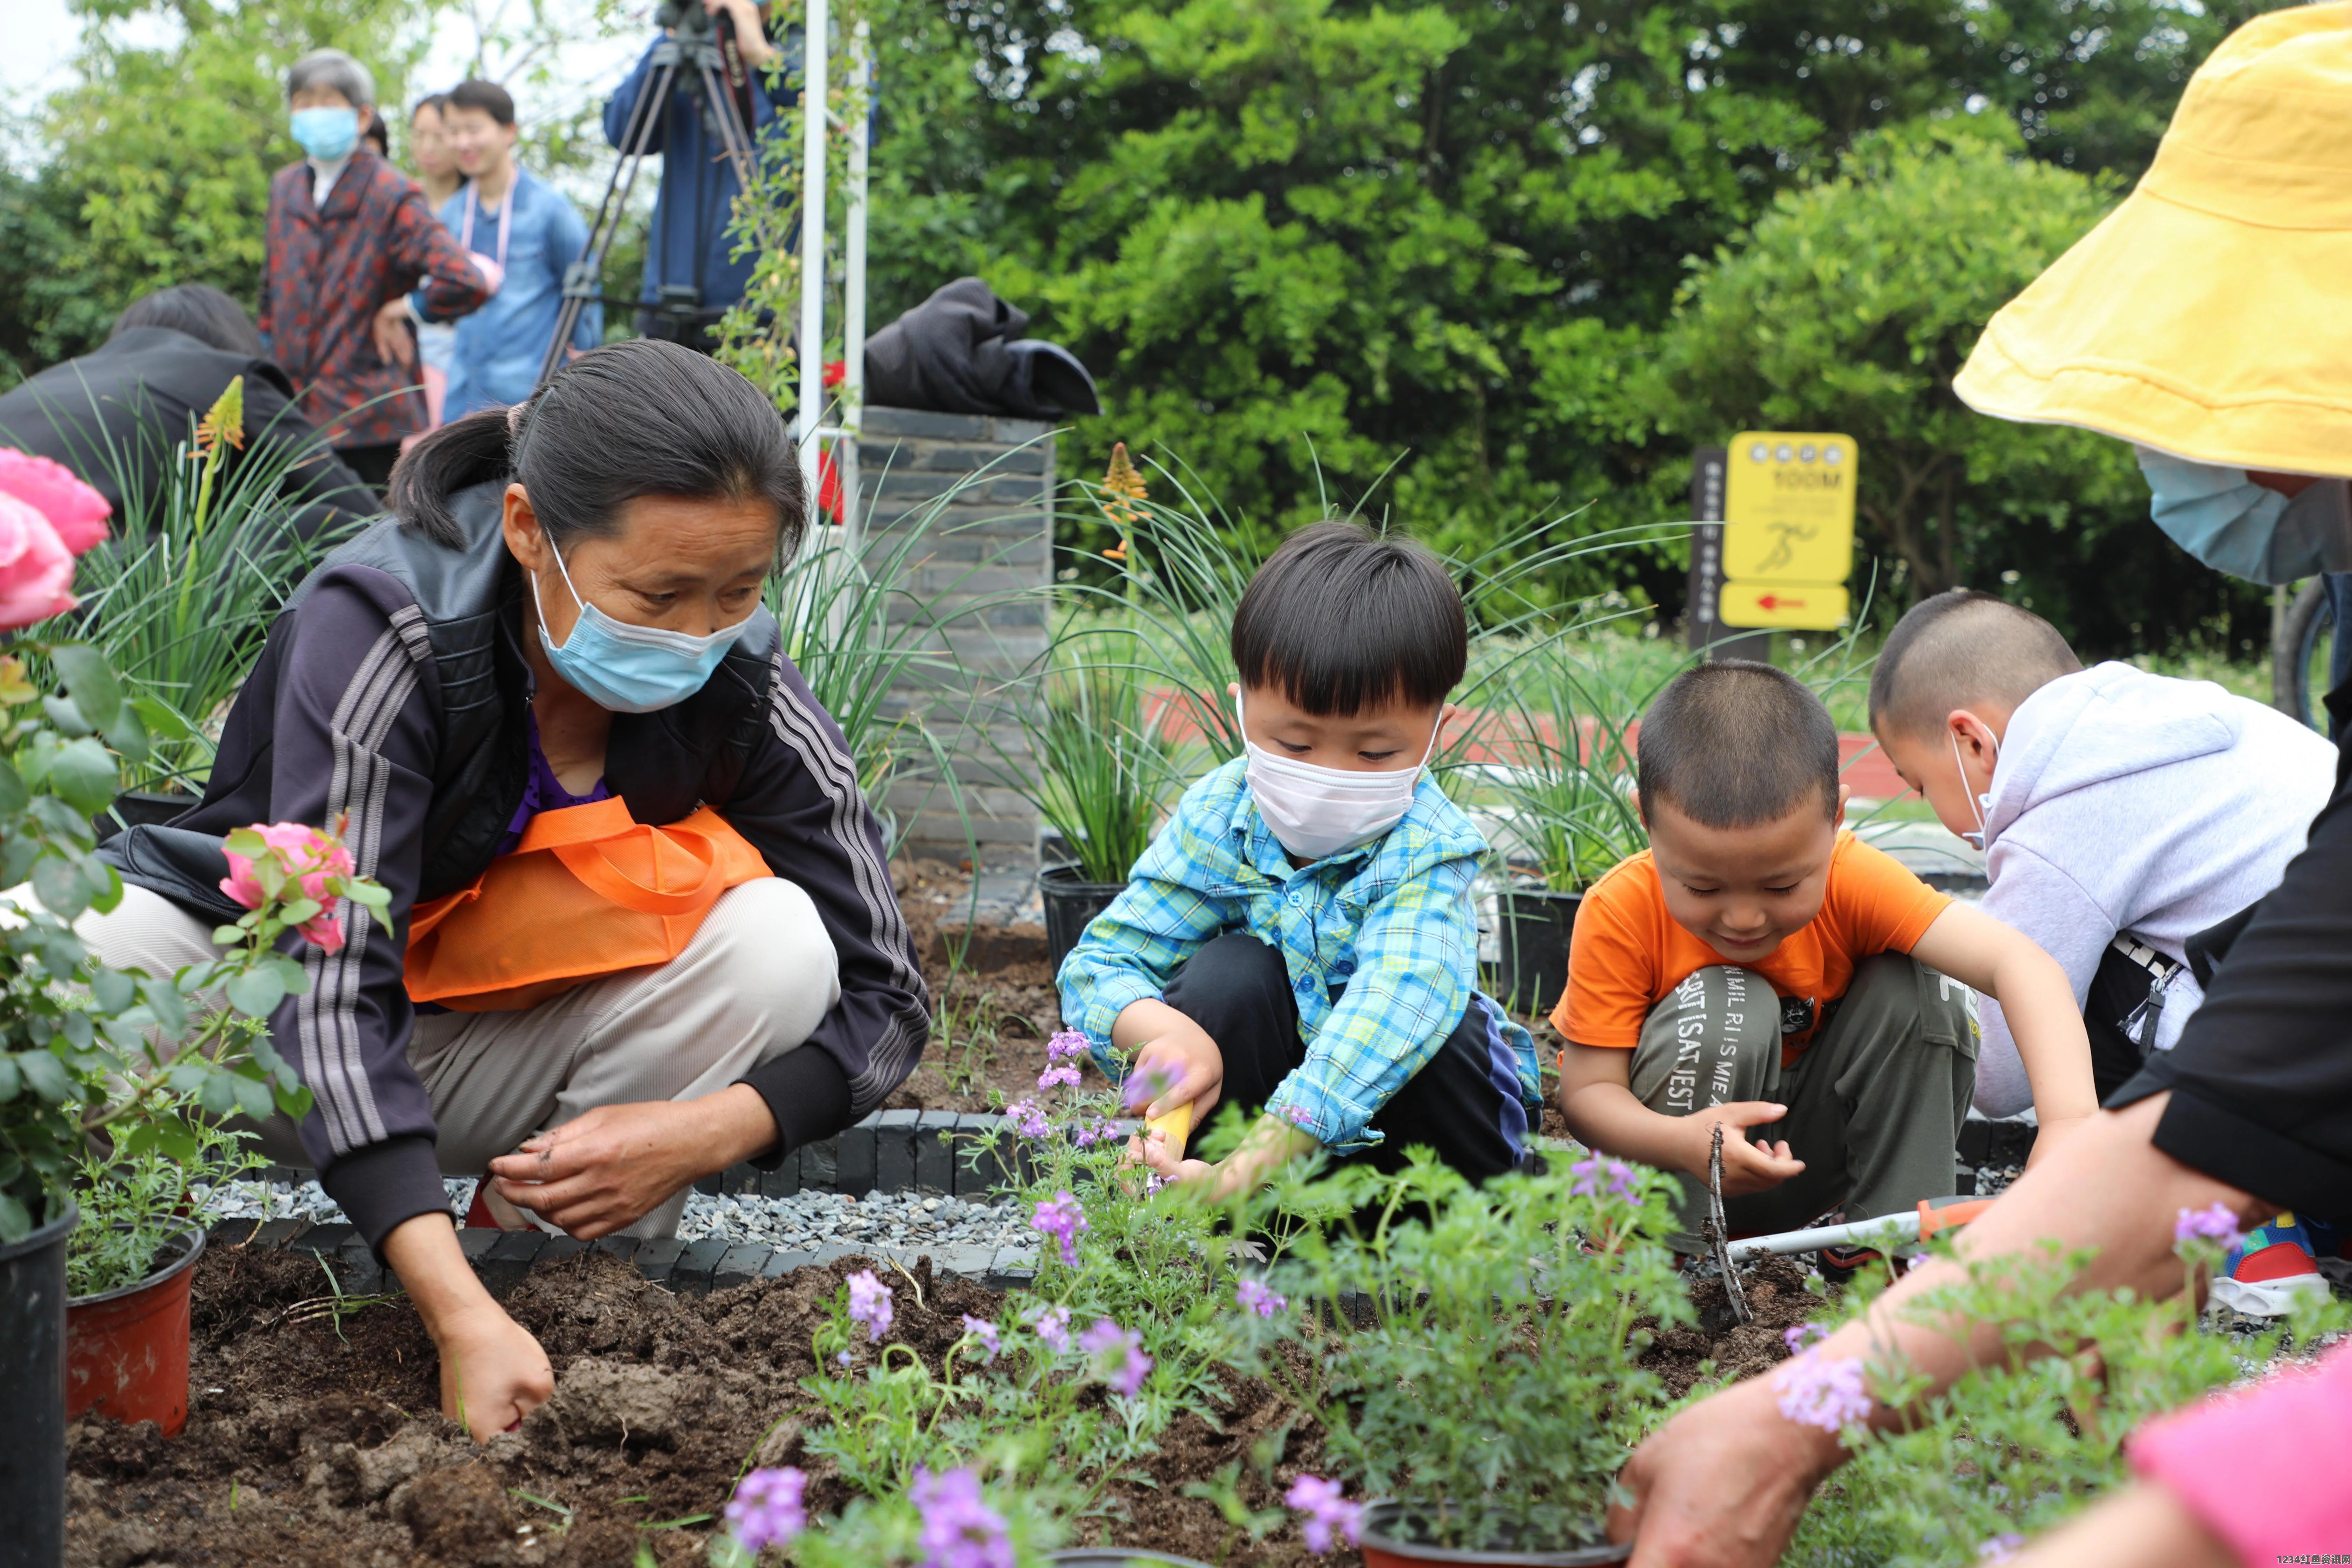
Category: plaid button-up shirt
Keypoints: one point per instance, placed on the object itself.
(1390, 926)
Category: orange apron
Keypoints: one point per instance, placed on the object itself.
(587, 892)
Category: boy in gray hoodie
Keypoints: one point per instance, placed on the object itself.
(2121, 813)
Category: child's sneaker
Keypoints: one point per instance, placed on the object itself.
(2269, 1270)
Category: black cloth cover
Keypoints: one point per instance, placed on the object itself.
(960, 352)
(116, 414)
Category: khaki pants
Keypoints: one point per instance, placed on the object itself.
(1874, 1103)
(753, 984)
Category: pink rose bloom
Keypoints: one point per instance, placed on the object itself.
(309, 854)
(35, 569)
(75, 511)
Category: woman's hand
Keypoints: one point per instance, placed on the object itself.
(493, 1373)
(394, 343)
(608, 1169)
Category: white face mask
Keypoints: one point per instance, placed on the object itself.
(1319, 812)
(1977, 804)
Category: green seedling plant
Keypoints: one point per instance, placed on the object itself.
(134, 1204)
(2038, 1432)
(1488, 1379)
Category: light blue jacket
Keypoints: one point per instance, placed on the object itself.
(500, 346)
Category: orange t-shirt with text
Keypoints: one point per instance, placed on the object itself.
(1628, 953)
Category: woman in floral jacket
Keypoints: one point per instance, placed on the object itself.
(347, 232)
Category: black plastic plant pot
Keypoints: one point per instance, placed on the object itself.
(1071, 904)
(1383, 1549)
(1534, 925)
(140, 808)
(1112, 1557)
(33, 1395)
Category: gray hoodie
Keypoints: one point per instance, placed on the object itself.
(2130, 802)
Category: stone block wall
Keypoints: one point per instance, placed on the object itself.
(981, 489)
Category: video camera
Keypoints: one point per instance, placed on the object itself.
(688, 20)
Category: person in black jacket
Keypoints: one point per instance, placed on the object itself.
(565, 607)
(114, 417)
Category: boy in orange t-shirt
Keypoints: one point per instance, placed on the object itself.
(1758, 966)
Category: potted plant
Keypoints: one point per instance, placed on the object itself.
(1101, 772)
(1489, 1389)
(150, 1089)
(1564, 780)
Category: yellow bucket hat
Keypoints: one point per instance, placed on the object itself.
(2210, 315)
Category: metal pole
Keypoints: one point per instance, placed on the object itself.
(853, 322)
(813, 111)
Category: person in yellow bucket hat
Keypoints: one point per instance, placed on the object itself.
(2209, 320)
(2205, 320)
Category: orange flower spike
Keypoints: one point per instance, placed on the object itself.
(1124, 485)
(225, 421)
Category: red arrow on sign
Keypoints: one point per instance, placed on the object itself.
(1773, 602)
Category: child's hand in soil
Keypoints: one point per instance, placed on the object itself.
(493, 1373)
(1747, 1167)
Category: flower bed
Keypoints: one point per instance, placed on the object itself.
(313, 1440)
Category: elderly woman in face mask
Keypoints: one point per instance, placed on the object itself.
(645, 928)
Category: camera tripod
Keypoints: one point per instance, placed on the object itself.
(700, 52)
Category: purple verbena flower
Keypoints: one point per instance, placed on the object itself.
(1623, 1181)
(840, 1358)
(1147, 1085)
(2000, 1548)
(1328, 1515)
(870, 1304)
(1028, 1119)
(983, 1331)
(767, 1509)
(958, 1530)
(1818, 1391)
(1088, 1134)
(1257, 1296)
(1058, 1077)
(2216, 1224)
(1119, 1356)
(1065, 1045)
(1060, 1218)
(1803, 1334)
(1053, 1325)
(1587, 1172)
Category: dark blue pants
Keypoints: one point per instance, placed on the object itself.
(1238, 990)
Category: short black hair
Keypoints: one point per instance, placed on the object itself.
(376, 133)
(1738, 744)
(1961, 646)
(1342, 618)
(199, 309)
(486, 96)
(435, 102)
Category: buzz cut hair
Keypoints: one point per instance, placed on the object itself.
(1343, 619)
(332, 69)
(1737, 744)
(1960, 647)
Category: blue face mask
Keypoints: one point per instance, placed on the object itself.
(325, 133)
(2250, 530)
(626, 669)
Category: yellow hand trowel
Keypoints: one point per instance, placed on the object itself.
(1176, 1126)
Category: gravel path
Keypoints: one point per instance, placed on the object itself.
(895, 1220)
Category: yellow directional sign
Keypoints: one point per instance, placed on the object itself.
(1788, 510)
(1797, 606)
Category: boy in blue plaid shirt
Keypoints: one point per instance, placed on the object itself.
(1300, 939)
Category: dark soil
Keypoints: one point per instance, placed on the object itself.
(307, 1447)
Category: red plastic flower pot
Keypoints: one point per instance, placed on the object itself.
(127, 1350)
(1384, 1550)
